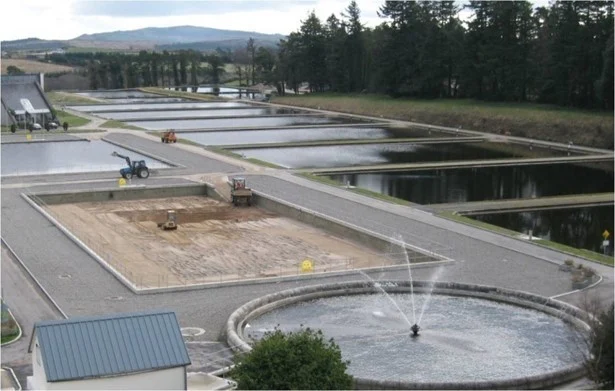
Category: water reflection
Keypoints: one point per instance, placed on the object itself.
(353, 155)
(237, 122)
(579, 227)
(480, 184)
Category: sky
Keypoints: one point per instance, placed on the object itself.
(67, 19)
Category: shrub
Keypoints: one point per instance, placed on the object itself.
(600, 363)
(569, 262)
(299, 360)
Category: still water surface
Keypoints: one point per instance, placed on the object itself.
(479, 184)
(576, 227)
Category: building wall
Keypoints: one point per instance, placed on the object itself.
(166, 379)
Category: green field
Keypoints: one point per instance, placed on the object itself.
(178, 94)
(73, 120)
(546, 122)
(10, 329)
(118, 124)
(65, 98)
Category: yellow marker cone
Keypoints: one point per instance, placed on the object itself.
(306, 266)
(121, 182)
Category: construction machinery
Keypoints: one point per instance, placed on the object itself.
(168, 137)
(239, 192)
(135, 167)
(171, 223)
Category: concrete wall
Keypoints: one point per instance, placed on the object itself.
(123, 194)
(370, 239)
(164, 379)
(568, 313)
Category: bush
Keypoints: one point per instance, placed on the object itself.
(65, 126)
(600, 363)
(13, 128)
(569, 262)
(299, 360)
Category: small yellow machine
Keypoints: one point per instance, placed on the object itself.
(171, 223)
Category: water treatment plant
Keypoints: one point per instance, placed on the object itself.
(361, 227)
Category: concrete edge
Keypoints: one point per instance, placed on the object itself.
(562, 310)
(10, 370)
(355, 227)
(600, 278)
(298, 277)
(18, 327)
(42, 141)
(34, 279)
(144, 153)
(82, 245)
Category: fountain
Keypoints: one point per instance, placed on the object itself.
(499, 338)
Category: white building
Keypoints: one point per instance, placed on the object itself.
(136, 351)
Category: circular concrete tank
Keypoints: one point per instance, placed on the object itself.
(471, 337)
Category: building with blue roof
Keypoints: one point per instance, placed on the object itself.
(134, 351)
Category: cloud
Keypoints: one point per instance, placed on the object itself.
(164, 8)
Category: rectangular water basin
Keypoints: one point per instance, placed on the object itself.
(147, 100)
(481, 184)
(118, 94)
(160, 106)
(179, 114)
(575, 227)
(237, 122)
(67, 157)
(228, 137)
(368, 154)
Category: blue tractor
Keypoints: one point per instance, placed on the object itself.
(135, 167)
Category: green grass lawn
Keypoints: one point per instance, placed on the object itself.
(10, 329)
(73, 120)
(118, 124)
(547, 122)
(65, 98)
(178, 94)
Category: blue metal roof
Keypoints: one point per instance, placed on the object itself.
(111, 345)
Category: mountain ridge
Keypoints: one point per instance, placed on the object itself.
(152, 37)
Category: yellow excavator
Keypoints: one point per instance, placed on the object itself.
(171, 223)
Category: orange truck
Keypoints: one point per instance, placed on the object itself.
(168, 137)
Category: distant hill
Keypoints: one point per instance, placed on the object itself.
(179, 34)
(168, 38)
(33, 44)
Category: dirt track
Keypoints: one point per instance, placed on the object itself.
(214, 241)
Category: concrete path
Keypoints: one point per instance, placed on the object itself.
(479, 207)
(28, 307)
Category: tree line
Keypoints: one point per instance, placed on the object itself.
(505, 51)
(145, 69)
